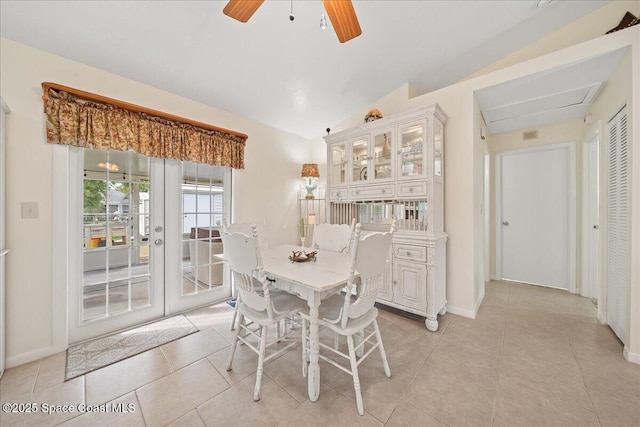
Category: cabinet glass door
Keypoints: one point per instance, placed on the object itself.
(411, 151)
(338, 169)
(437, 149)
(359, 160)
(382, 155)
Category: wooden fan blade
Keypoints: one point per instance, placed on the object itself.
(343, 18)
(242, 10)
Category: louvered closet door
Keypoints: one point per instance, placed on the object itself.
(618, 226)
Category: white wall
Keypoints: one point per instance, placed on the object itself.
(463, 160)
(265, 188)
(589, 27)
(617, 92)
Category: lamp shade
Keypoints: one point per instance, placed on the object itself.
(310, 170)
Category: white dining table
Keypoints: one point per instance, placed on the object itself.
(312, 281)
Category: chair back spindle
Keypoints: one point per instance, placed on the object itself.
(369, 258)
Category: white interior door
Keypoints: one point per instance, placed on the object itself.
(590, 219)
(618, 229)
(536, 212)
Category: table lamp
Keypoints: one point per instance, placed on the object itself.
(310, 171)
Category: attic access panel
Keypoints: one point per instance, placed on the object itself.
(546, 97)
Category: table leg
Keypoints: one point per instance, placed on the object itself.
(314, 348)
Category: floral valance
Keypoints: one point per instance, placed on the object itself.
(82, 119)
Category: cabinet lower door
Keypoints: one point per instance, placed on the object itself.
(410, 284)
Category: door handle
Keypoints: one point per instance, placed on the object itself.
(158, 229)
(158, 242)
(505, 223)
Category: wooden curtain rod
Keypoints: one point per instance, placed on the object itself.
(132, 107)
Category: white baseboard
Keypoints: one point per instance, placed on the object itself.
(30, 356)
(478, 303)
(463, 311)
(460, 311)
(631, 357)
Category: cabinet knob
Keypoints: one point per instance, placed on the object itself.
(395, 282)
(410, 189)
(408, 253)
(357, 191)
(383, 191)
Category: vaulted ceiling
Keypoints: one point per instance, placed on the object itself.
(287, 74)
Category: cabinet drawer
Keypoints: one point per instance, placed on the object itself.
(338, 194)
(409, 252)
(412, 189)
(372, 192)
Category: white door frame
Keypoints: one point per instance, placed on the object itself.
(487, 212)
(571, 146)
(593, 136)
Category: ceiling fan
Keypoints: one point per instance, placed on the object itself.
(341, 13)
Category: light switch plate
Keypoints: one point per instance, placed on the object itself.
(29, 210)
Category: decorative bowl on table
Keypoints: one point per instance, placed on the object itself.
(301, 256)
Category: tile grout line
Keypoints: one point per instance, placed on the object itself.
(504, 332)
(585, 385)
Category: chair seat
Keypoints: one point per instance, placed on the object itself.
(330, 313)
(284, 304)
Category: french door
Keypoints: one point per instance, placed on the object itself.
(142, 239)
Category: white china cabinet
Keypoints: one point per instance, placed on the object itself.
(392, 169)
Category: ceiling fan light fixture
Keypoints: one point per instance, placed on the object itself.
(323, 22)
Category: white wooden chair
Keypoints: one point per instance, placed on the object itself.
(333, 237)
(245, 228)
(349, 315)
(262, 308)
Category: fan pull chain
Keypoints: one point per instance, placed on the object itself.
(291, 17)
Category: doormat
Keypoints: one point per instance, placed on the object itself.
(95, 354)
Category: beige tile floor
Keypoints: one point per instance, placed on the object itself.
(533, 356)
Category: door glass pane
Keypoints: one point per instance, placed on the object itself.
(115, 233)
(411, 151)
(202, 209)
(338, 164)
(382, 155)
(437, 149)
(360, 153)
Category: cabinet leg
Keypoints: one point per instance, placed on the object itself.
(431, 323)
(443, 311)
